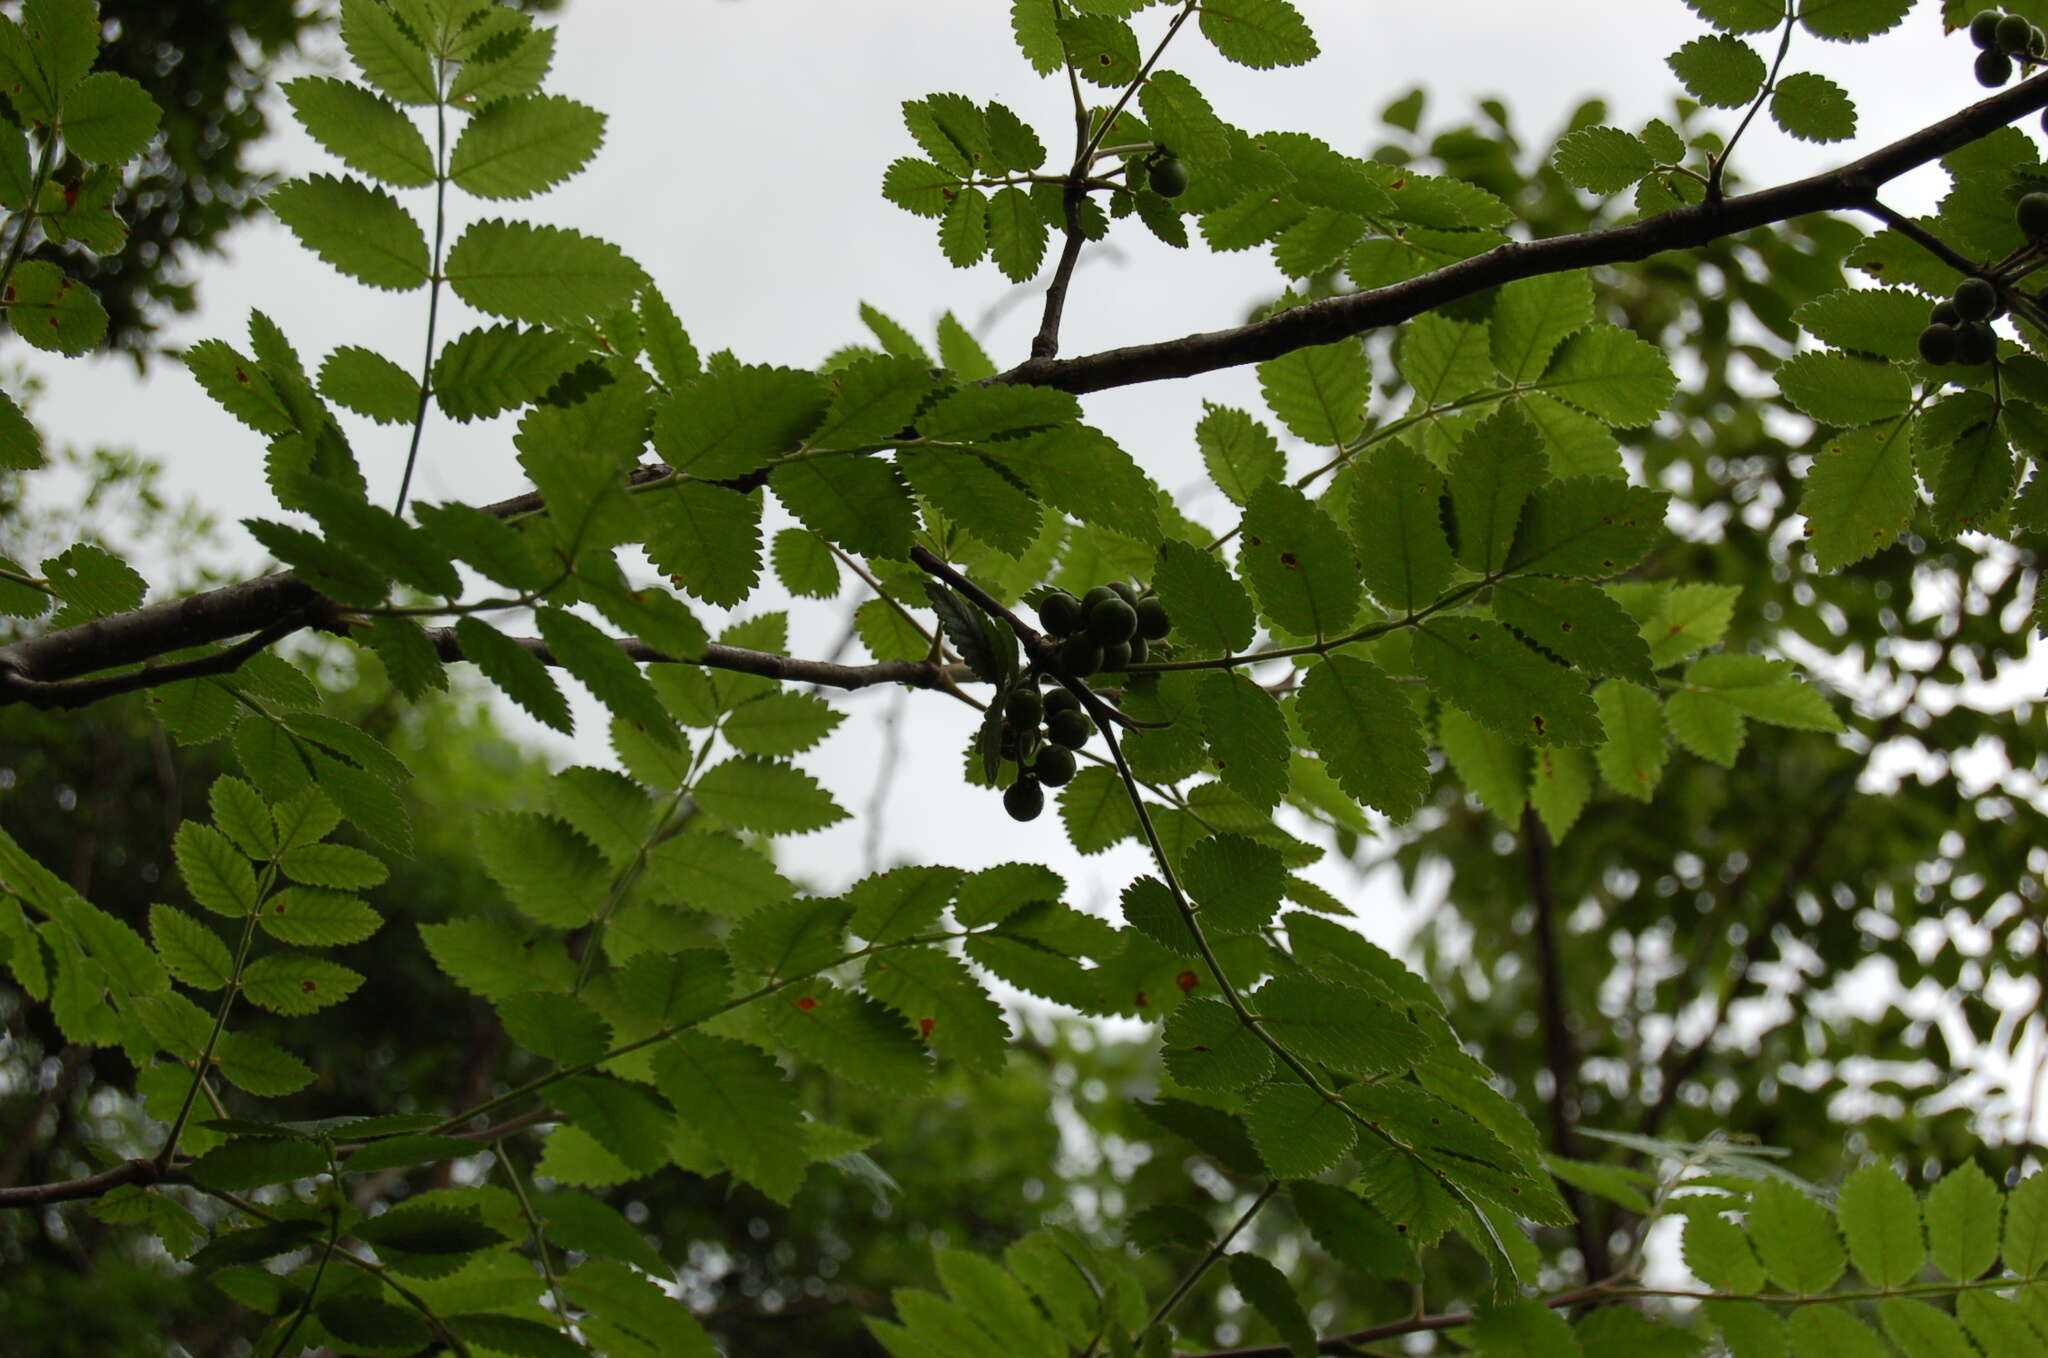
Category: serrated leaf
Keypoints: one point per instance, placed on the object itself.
(626, 1120)
(558, 1028)
(943, 1004)
(1532, 316)
(91, 582)
(1100, 48)
(386, 53)
(1493, 768)
(1341, 1026)
(317, 917)
(1260, 34)
(1588, 526)
(1096, 811)
(1298, 562)
(1843, 390)
(1367, 734)
(1602, 160)
(1794, 1238)
(1497, 464)
(1240, 453)
(1264, 1286)
(1963, 1212)
(497, 368)
(515, 148)
(53, 311)
(191, 952)
(370, 384)
(736, 419)
(1882, 322)
(419, 1228)
(706, 539)
(1813, 108)
(1719, 71)
(850, 1035)
(1768, 690)
(772, 798)
(297, 983)
(1082, 470)
(516, 671)
(859, 502)
(1206, 1047)
(1577, 622)
(1612, 374)
(1299, 1133)
(1482, 668)
(1247, 736)
(1632, 757)
(2024, 1245)
(1211, 613)
(363, 128)
(1561, 783)
(1881, 1222)
(360, 230)
(215, 873)
(986, 502)
(606, 670)
(248, 1163)
(544, 275)
(108, 119)
(1860, 495)
(1318, 392)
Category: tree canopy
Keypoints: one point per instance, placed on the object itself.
(1639, 559)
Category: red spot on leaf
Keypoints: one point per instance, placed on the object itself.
(807, 1004)
(1142, 1001)
(1288, 560)
(1187, 981)
(924, 1028)
(241, 376)
(307, 987)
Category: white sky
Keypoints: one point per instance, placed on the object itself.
(746, 145)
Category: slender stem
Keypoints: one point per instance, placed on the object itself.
(540, 1239)
(46, 160)
(319, 1270)
(419, 420)
(1719, 164)
(1205, 1263)
(1328, 644)
(1922, 237)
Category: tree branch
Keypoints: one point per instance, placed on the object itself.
(1851, 187)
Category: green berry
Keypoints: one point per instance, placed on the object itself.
(1994, 68)
(1060, 614)
(1097, 597)
(1140, 648)
(1054, 766)
(2013, 33)
(1128, 593)
(1025, 799)
(1153, 622)
(1944, 313)
(1984, 28)
(1976, 299)
(1112, 622)
(1938, 344)
(1169, 177)
(1080, 657)
(1023, 707)
(1116, 657)
(1009, 746)
(2037, 43)
(2032, 214)
(1070, 729)
(1976, 344)
(1060, 700)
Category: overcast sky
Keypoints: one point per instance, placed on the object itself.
(741, 170)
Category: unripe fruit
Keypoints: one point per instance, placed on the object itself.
(1169, 177)
(1060, 700)
(1008, 746)
(1080, 657)
(1994, 68)
(1976, 344)
(1060, 614)
(1139, 649)
(1112, 622)
(1128, 593)
(1054, 766)
(1153, 622)
(1070, 729)
(2037, 42)
(1984, 28)
(2032, 214)
(2014, 33)
(1938, 344)
(1025, 799)
(1117, 657)
(1944, 313)
(1976, 299)
(1097, 597)
(1024, 707)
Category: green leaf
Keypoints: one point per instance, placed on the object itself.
(215, 873)
(1881, 1221)
(1206, 1047)
(1082, 471)
(2024, 1245)
(1495, 468)
(1016, 234)
(1852, 20)
(1632, 757)
(515, 148)
(332, 865)
(109, 119)
(1318, 392)
(1963, 1213)
(1240, 453)
(363, 128)
(516, 671)
(91, 582)
(781, 723)
(1299, 1133)
(1532, 316)
(1768, 690)
(558, 1028)
(1101, 49)
(1339, 1025)
(1794, 1238)
(191, 952)
(1719, 71)
(858, 502)
(988, 503)
(1261, 34)
(1298, 562)
(581, 1222)
(1813, 108)
(21, 446)
(370, 384)
(1882, 322)
(317, 917)
(759, 794)
(1577, 622)
(297, 983)
(360, 230)
(1211, 613)
(1482, 668)
(1444, 360)
(1367, 733)
(1493, 768)
(873, 401)
(943, 1004)
(706, 539)
(1403, 556)
(1602, 160)
(1612, 374)
(545, 275)
(1922, 1330)
(371, 1325)
(606, 670)
(1272, 1296)
(1096, 812)
(497, 368)
(1523, 1329)
(1740, 16)
(1842, 390)
(1999, 1325)
(850, 1035)
(1247, 736)
(738, 418)
(805, 564)
(1964, 446)
(624, 1119)
(1589, 526)
(1561, 783)
(1350, 1231)
(386, 53)
(53, 312)
(420, 1228)
(1860, 495)
(961, 354)
(246, 1163)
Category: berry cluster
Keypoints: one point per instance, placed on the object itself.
(1168, 175)
(1040, 734)
(2004, 38)
(1959, 330)
(1109, 628)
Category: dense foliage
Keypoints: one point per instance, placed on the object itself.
(336, 1022)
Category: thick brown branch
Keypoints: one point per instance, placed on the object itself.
(1852, 187)
(915, 673)
(92, 1186)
